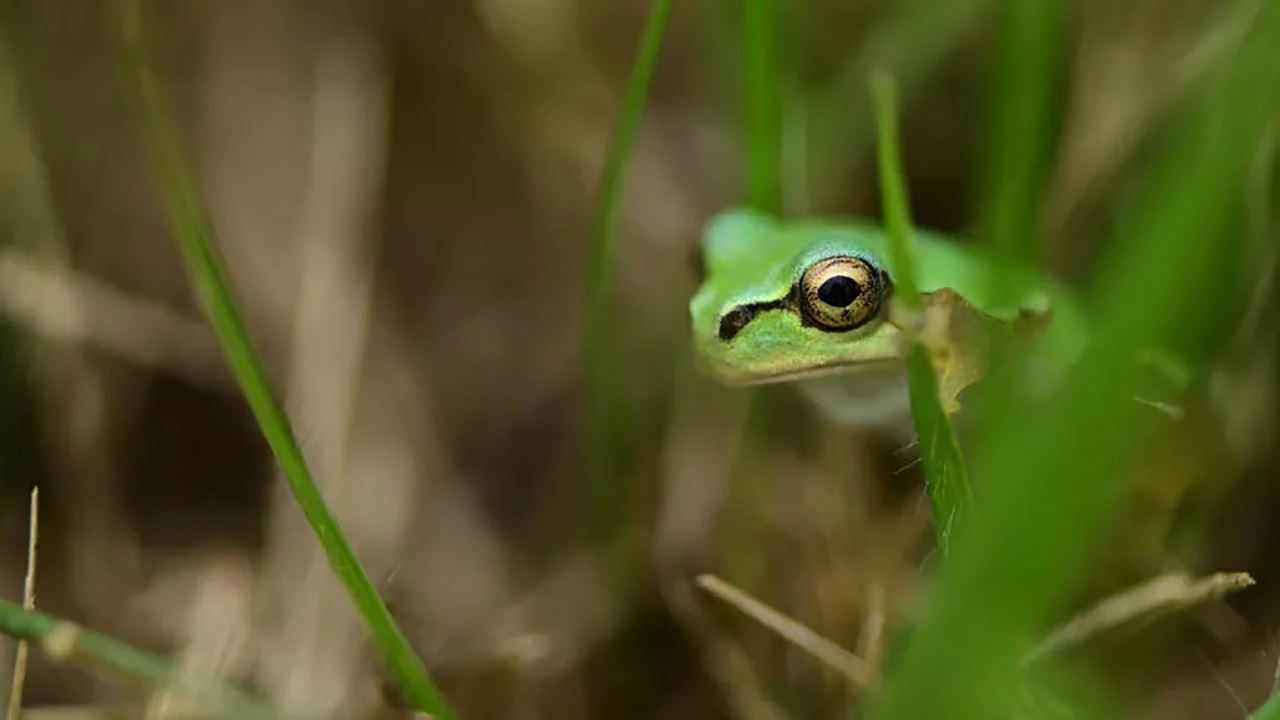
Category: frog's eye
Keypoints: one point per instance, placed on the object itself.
(841, 293)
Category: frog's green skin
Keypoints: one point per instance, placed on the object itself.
(753, 263)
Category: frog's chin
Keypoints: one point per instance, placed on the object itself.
(741, 377)
(867, 394)
(865, 400)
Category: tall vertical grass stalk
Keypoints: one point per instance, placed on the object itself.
(604, 409)
(764, 105)
(194, 237)
(1024, 81)
(1051, 473)
(946, 480)
(64, 641)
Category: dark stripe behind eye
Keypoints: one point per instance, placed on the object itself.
(732, 322)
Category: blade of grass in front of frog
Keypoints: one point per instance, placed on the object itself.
(1049, 473)
(194, 237)
(1023, 81)
(946, 479)
(605, 412)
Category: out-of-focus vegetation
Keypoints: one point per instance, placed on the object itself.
(414, 199)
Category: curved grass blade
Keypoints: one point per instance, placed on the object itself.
(946, 479)
(194, 237)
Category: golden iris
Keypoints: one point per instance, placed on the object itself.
(841, 293)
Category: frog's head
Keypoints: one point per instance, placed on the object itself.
(784, 301)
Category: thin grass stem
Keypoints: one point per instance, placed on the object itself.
(605, 414)
(64, 641)
(946, 479)
(764, 106)
(29, 604)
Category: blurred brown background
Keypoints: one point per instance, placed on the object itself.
(402, 191)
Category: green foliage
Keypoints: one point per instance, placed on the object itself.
(1049, 471)
(1020, 123)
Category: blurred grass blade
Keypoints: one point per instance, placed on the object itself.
(946, 480)
(912, 43)
(605, 411)
(194, 237)
(1167, 593)
(64, 641)
(1052, 473)
(1270, 710)
(895, 205)
(1024, 81)
(764, 106)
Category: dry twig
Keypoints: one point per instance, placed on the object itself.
(853, 668)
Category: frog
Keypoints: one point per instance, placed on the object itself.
(811, 301)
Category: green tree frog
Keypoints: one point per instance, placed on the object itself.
(812, 301)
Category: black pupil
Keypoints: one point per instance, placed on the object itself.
(839, 291)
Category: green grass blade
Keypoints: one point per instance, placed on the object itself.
(895, 204)
(912, 42)
(613, 180)
(1028, 55)
(604, 410)
(194, 237)
(946, 479)
(764, 106)
(1052, 474)
(63, 641)
(1024, 82)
